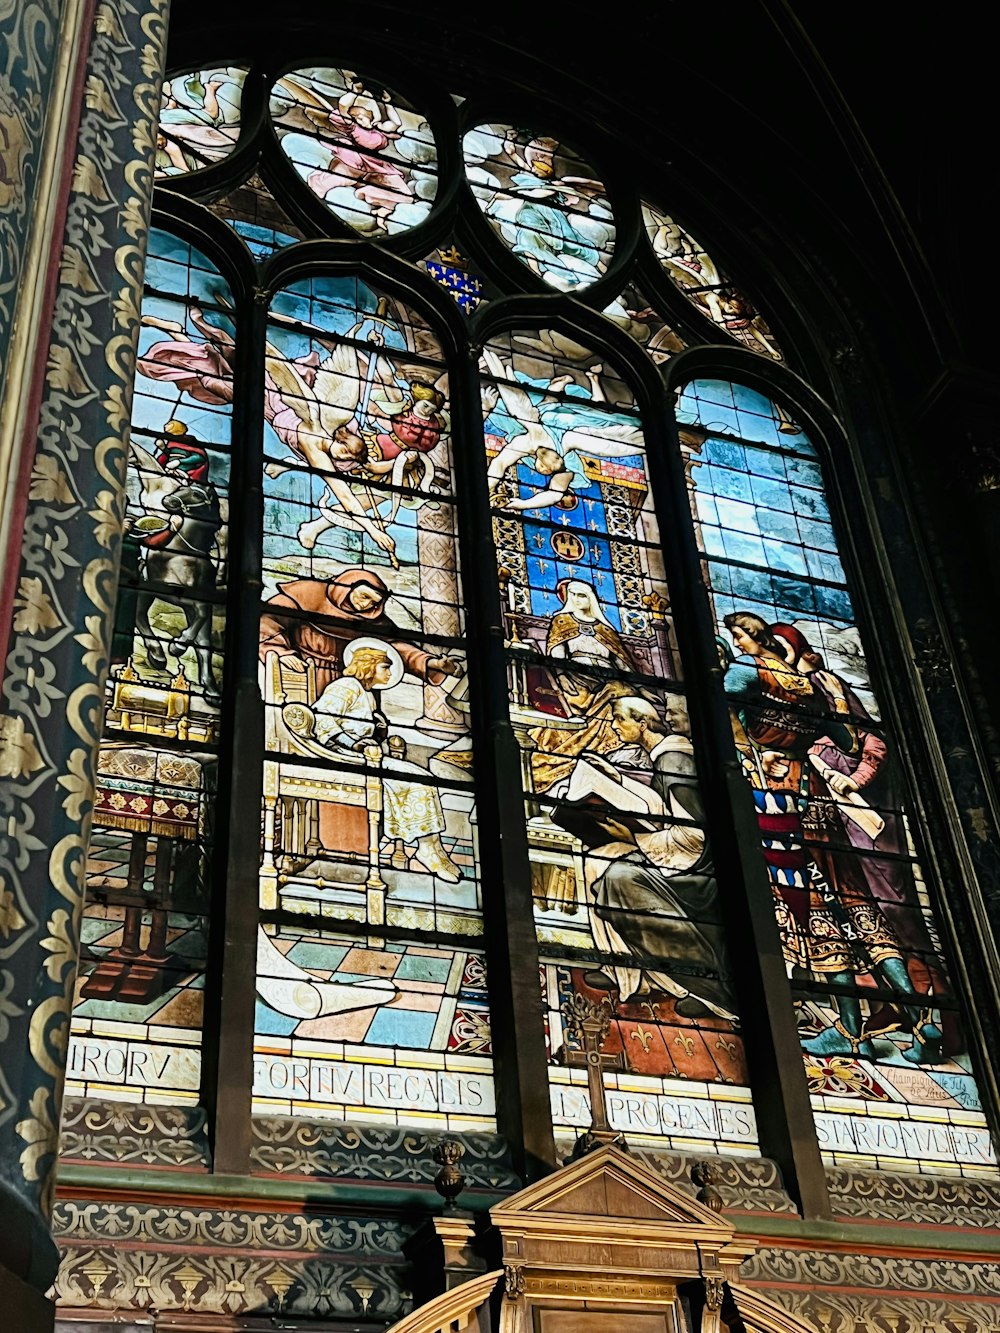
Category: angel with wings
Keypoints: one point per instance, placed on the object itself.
(355, 132)
(695, 272)
(551, 432)
(688, 264)
(346, 415)
(313, 408)
(353, 418)
(199, 119)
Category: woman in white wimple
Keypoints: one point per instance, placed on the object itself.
(347, 719)
(582, 631)
(581, 634)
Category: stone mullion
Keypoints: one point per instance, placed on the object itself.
(52, 706)
(935, 592)
(231, 983)
(523, 1109)
(440, 598)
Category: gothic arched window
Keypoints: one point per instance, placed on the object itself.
(490, 720)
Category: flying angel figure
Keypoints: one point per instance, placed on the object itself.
(553, 433)
(313, 406)
(355, 146)
(694, 271)
(314, 410)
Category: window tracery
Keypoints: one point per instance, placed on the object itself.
(360, 148)
(362, 485)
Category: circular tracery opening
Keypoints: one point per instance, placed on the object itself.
(360, 148)
(544, 202)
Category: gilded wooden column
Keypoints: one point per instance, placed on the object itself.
(69, 396)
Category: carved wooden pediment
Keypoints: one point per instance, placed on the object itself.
(605, 1245)
(610, 1184)
(608, 1216)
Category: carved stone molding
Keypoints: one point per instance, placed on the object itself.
(825, 1269)
(375, 1239)
(981, 467)
(112, 1278)
(931, 656)
(513, 1281)
(745, 1184)
(847, 359)
(288, 1146)
(153, 1136)
(714, 1292)
(833, 1312)
(146, 1257)
(937, 1201)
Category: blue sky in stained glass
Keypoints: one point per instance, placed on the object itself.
(262, 242)
(760, 503)
(337, 305)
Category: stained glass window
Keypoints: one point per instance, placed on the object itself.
(360, 148)
(200, 119)
(625, 895)
(255, 215)
(462, 531)
(886, 1058)
(639, 317)
(543, 201)
(137, 1021)
(695, 274)
(369, 811)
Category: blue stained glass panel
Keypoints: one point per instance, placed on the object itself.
(261, 241)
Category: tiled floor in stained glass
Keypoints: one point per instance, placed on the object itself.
(136, 1031)
(334, 1016)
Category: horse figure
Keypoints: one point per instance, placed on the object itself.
(181, 556)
